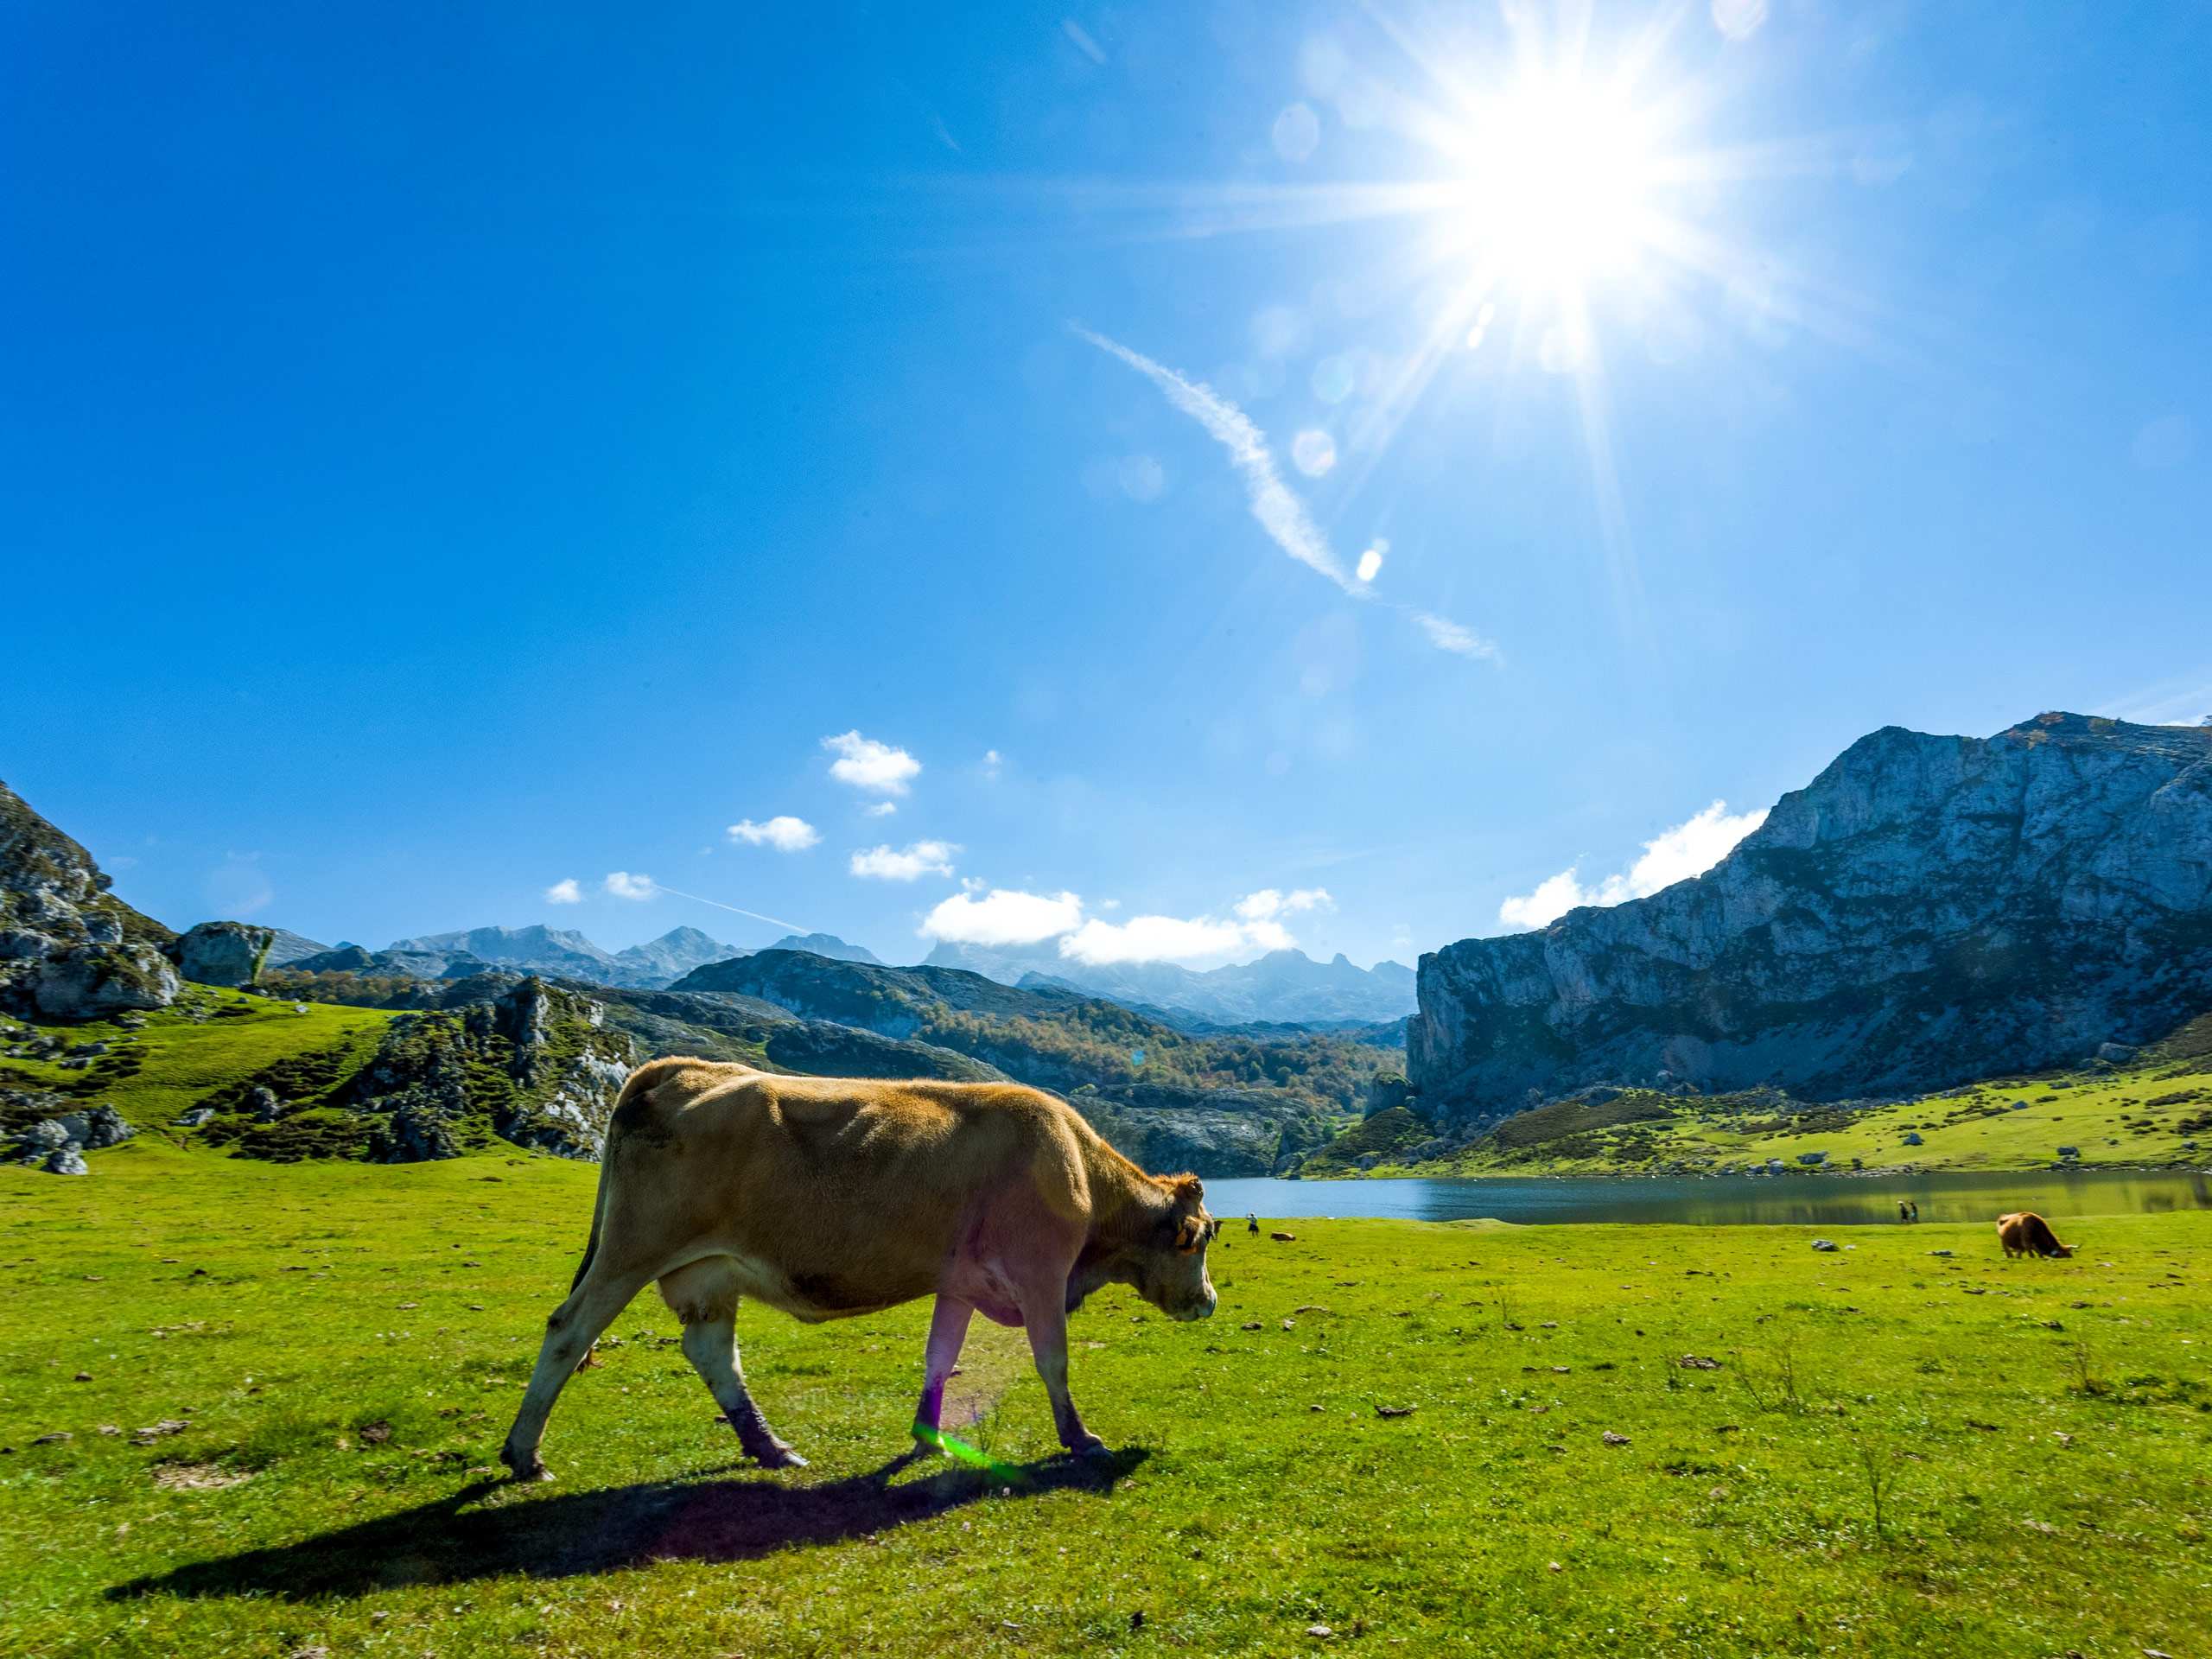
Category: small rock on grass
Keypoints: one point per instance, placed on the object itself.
(1395, 1411)
(84, 1376)
(59, 1437)
(1611, 1438)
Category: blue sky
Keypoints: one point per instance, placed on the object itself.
(448, 453)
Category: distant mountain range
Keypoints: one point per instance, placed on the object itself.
(1286, 986)
(1282, 987)
(559, 953)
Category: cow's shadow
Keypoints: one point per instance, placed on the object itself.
(705, 1517)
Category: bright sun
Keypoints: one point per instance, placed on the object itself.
(1558, 173)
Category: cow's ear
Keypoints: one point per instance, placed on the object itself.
(1192, 1189)
(1188, 1235)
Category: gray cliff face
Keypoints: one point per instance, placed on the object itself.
(1930, 910)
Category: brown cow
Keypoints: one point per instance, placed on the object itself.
(831, 1197)
(2025, 1233)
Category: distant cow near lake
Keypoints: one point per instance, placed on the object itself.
(2025, 1233)
(829, 1197)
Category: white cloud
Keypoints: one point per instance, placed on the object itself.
(786, 834)
(1450, 636)
(1152, 938)
(1269, 903)
(1003, 917)
(623, 885)
(1370, 564)
(922, 858)
(564, 893)
(1258, 924)
(880, 810)
(1689, 848)
(866, 763)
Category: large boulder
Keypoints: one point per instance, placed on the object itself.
(223, 953)
(101, 979)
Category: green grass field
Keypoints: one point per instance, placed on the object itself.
(309, 1366)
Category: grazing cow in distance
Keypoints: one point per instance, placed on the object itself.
(832, 1196)
(2025, 1233)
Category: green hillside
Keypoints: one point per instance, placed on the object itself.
(2156, 1110)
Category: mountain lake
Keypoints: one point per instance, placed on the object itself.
(1724, 1200)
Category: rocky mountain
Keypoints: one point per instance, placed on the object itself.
(1283, 986)
(826, 944)
(537, 949)
(668, 958)
(69, 947)
(1929, 909)
(564, 954)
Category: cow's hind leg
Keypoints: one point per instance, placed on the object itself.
(704, 1296)
(947, 1330)
(595, 1303)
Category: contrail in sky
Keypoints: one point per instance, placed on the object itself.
(1278, 508)
(794, 926)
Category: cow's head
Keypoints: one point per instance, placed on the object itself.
(1170, 1262)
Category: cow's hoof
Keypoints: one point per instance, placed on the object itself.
(776, 1455)
(928, 1440)
(531, 1469)
(1091, 1446)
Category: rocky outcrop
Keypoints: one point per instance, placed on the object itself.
(223, 953)
(57, 1144)
(1929, 909)
(520, 1061)
(96, 980)
(68, 946)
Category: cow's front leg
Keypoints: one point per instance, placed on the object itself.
(1045, 1318)
(947, 1330)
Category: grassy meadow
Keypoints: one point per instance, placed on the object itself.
(295, 1379)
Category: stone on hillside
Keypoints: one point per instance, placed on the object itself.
(20, 943)
(98, 978)
(1913, 1140)
(1824, 1244)
(1812, 1157)
(69, 1160)
(98, 1129)
(2118, 1053)
(195, 1117)
(223, 953)
(262, 1103)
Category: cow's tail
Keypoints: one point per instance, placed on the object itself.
(598, 1214)
(627, 1105)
